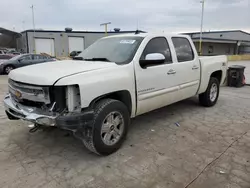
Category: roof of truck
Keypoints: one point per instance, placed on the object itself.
(147, 34)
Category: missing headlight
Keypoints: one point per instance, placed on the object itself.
(58, 96)
(73, 99)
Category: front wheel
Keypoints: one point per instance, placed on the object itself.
(110, 127)
(8, 68)
(210, 96)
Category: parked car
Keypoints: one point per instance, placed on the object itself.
(23, 60)
(5, 57)
(119, 77)
(2, 52)
(16, 53)
(74, 53)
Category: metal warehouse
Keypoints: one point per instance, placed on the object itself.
(222, 42)
(59, 43)
(62, 43)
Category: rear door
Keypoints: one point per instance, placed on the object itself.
(187, 67)
(156, 85)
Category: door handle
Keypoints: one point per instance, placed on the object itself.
(171, 71)
(195, 67)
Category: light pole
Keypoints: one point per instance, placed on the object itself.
(33, 21)
(23, 25)
(106, 27)
(202, 16)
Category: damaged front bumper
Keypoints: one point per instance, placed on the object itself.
(70, 121)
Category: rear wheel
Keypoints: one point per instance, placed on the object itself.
(210, 96)
(8, 68)
(110, 127)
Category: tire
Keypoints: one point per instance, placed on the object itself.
(208, 99)
(105, 109)
(8, 68)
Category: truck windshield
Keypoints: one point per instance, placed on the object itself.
(114, 49)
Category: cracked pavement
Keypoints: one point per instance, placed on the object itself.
(211, 146)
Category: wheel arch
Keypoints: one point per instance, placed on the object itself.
(122, 95)
(217, 74)
(205, 78)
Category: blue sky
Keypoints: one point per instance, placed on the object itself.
(151, 15)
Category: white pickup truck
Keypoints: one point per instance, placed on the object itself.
(117, 78)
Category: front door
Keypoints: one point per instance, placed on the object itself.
(156, 85)
(25, 60)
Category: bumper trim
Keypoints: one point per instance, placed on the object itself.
(70, 121)
(27, 113)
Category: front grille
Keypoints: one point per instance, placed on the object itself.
(26, 88)
(29, 95)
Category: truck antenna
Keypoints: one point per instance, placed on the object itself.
(137, 27)
(137, 32)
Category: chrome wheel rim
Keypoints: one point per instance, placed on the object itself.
(112, 128)
(8, 69)
(213, 92)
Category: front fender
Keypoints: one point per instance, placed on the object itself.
(100, 82)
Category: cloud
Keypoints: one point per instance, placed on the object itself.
(157, 15)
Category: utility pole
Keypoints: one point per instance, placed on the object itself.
(106, 27)
(202, 17)
(33, 21)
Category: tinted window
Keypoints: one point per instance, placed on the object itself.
(37, 57)
(183, 49)
(158, 45)
(27, 57)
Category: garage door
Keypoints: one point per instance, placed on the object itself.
(45, 46)
(76, 44)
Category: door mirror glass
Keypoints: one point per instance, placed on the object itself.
(152, 59)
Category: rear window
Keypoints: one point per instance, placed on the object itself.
(184, 51)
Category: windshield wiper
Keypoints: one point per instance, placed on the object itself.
(97, 59)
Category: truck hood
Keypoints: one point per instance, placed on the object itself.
(49, 73)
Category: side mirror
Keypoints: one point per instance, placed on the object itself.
(152, 59)
(77, 58)
(20, 60)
